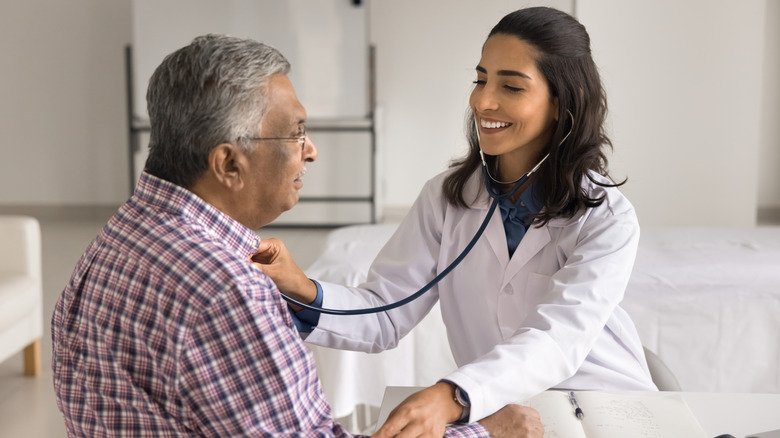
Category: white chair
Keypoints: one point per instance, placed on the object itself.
(662, 375)
(21, 291)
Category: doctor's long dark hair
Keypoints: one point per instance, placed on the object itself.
(565, 60)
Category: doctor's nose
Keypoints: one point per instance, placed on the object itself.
(483, 99)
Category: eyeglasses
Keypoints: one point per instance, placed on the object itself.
(300, 139)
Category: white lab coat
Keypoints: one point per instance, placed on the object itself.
(549, 317)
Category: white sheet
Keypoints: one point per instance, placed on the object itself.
(706, 300)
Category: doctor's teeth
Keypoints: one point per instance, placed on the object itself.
(493, 125)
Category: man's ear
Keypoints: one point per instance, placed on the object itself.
(228, 165)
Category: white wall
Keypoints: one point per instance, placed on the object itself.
(769, 168)
(62, 106)
(684, 82)
(325, 41)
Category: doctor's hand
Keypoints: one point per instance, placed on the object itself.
(273, 258)
(514, 421)
(423, 414)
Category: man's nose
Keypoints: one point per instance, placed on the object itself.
(310, 152)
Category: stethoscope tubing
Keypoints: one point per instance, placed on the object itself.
(415, 295)
(497, 197)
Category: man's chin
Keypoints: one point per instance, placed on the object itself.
(283, 208)
(290, 205)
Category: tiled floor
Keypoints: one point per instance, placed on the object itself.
(27, 405)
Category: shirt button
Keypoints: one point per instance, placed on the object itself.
(257, 243)
(509, 290)
(522, 203)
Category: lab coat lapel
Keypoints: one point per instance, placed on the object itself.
(535, 240)
(494, 233)
(497, 238)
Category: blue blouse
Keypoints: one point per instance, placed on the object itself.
(518, 216)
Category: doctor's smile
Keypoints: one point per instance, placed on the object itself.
(489, 127)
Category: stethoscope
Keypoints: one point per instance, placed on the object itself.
(497, 197)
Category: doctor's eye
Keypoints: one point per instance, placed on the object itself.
(479, 82)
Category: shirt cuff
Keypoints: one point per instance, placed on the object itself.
(471, 430)
(305, 319)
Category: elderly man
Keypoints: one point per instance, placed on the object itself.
(166, 328)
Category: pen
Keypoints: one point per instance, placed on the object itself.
(577, 410)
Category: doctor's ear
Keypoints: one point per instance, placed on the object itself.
(228, 165)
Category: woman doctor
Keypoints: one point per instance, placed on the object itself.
(535, 305)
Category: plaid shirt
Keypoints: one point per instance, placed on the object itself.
(166, 329)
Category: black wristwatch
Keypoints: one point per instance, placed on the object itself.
(463, 400)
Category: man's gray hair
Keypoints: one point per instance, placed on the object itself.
(204, 94)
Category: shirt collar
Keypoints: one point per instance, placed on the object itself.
(474, 192)
(521, 210)
(530, 199)
(170, 198)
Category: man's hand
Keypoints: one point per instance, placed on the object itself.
(273, 258)
(514, 421)
(423, 414)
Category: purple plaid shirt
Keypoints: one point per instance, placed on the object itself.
(166, 329)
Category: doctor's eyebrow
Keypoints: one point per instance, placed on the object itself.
(505, 72)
